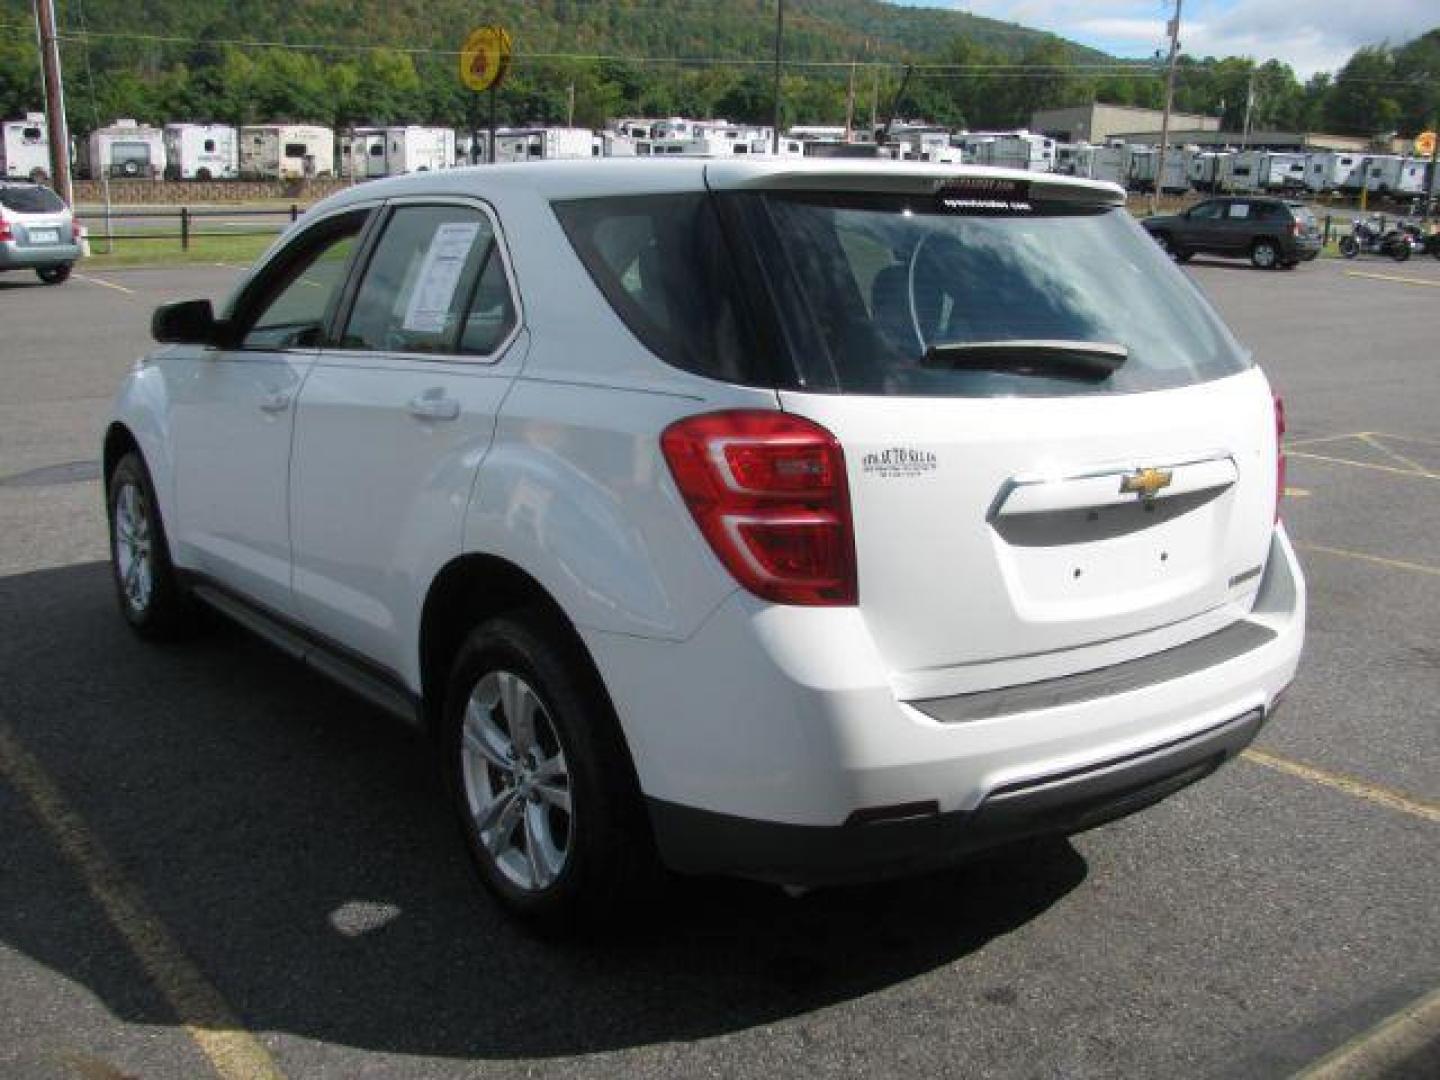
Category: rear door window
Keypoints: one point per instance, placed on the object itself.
(435, 284)
(664, 265)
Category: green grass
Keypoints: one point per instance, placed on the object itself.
(155, 251)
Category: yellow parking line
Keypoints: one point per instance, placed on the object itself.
(1393, 470)
(1291, 444)
(1370, 440)
(105, 284)
(234, 1053)
(1385, 1048)
(1394, 277)
(1383, 796)
(1365, 556)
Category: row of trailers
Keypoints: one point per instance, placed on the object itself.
(1319, 172)
(127, 149)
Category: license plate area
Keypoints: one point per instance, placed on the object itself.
(44, 236)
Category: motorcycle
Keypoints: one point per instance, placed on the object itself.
(1421, 241)
(1368, 236)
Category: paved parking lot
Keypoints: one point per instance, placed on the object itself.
(211, 860)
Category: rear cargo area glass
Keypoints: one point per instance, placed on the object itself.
(868, 284)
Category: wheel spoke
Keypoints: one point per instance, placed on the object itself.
(554, 794)
(483, 738)
(519, 705)
(541, 873)
(498, 821)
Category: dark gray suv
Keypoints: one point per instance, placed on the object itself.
(1272, 233)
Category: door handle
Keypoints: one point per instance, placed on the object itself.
(274, 401)
(434, 405)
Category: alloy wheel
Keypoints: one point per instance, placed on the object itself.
(134, 551)
(517, 782)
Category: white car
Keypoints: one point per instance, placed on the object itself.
(809, 521)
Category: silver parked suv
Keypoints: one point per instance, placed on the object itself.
(37, 232)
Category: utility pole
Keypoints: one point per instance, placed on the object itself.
(54, 100)
(570, 107)
(1434, 158)
(850, 104)
(1174, 29)
(1249, 107)
(779, 55)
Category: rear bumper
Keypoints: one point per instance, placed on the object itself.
(15, 257)
(772, 744)
(921, 838)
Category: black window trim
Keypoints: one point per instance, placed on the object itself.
(333, 349)
(240, 317)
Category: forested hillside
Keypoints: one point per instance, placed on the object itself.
(393, 60)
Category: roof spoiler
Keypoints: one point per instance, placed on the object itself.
(922, 180)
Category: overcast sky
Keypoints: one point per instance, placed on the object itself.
(1309, 35)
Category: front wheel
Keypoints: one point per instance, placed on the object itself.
(536, 766)
(151, 597)
(1265, 255)
(54, 275)
(1349, 247)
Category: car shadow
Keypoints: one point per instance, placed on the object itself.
(289, 839)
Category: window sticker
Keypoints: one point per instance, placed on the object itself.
(434, 293)
(1239, 210)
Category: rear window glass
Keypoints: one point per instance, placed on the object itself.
(881, 280)
(31, 200)
(663, 264)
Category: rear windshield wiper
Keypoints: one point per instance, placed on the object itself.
(1044, 358)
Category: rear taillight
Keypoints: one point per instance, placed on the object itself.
(1295, 229)
(770, 495)
(6, 233)
(75, 231)
(1279, 453)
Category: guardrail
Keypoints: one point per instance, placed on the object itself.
(190, 223)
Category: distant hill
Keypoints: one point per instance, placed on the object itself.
(815, 29)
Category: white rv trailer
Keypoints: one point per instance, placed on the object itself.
(25, 148)
(286, 151)
(413, 148)
(1144, 160)
(541, 144)
(1382, 174)
(362, 154)
(125, 149)
(611, 144)
(1206, 169)
(1283, 172)
(1331, 170)
(201, 152)
(1074, 159)
(1242, 171)
(1414, 174)
(1007, 149)
(1111, 163)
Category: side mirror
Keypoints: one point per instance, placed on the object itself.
(186, 322)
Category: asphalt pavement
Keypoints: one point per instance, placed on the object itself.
(213, 860)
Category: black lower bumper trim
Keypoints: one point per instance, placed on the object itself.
(705, 842)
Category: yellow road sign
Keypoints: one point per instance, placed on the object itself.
(485, 58)
(1425, 143)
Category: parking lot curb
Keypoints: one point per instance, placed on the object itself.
(1393, 1047)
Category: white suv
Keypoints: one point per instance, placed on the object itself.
(807, 521)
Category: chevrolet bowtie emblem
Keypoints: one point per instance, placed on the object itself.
(1145, 482)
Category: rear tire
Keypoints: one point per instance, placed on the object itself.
(1400, 250)
(536, 768)
(151, 597)
(1349, 247)
(1265, 255)
(54, 275)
